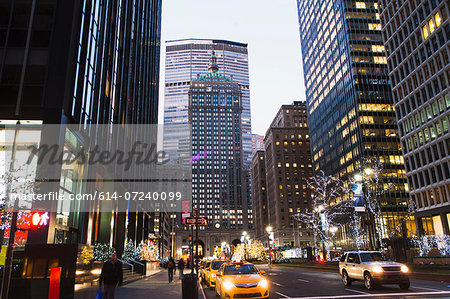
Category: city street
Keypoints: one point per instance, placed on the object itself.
(300, 283)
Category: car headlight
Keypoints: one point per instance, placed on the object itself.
(228, 285)
(263, 283)
(404, 269)
(377, 269)
(213, 275)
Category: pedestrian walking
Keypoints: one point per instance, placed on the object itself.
(111, 276)
(181, 266)
(171, 269)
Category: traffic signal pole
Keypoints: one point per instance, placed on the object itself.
(196, 241)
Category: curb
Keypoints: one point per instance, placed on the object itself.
(413, 275)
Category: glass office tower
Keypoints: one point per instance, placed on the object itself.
(416, 36)
(184, 60)
(82, 62)
(351, 112)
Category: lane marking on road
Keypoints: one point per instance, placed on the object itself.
(377, 295)
(303, 280)
(277, 284)
(428, 289)
(356, 291)
(283, 295)
(201, 288)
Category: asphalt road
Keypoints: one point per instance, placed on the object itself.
(300, 283)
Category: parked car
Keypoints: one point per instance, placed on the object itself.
(336, 259)
(373, 268)
(282, 260)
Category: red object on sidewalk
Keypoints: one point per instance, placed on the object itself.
(55, 279)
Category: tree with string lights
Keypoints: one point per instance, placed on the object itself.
(330, 208)
(370, 177)
(357, 232)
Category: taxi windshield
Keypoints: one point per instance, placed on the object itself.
(373, 257)
(238, 269)
(207, 265)
(216, 265)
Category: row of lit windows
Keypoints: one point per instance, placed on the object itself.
(376, 119)
(426, 113)
(432, 197)
(295, 165)
(369, 59)
(367, 48)
(431, 25)
(376, 107)
(380, 132)
(428, 134)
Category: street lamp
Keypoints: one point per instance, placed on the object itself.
(359, 178)
(269, 230)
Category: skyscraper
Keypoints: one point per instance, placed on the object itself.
(219, 186)
(82, 62)
(184, 60)
(351, 112)
(416, 37)
(288, 166)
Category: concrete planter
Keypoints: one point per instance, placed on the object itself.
(437, 260)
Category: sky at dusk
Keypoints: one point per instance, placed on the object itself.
(269, 27)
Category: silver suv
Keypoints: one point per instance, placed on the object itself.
(372, 267)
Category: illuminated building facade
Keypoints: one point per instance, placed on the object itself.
(219, 181)
(416, 36)
(279, 178)
(184, 60)
(351, 111)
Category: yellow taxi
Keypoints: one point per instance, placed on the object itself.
(212, 272)
(241, 280)
(205, 269)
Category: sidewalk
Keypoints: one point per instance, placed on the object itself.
(156, 285)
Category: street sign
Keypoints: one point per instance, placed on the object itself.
(194, 221)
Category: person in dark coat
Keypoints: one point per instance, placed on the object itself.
(111, 276)
(181, 266)
(171, 268)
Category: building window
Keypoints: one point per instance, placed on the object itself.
(437, 19)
